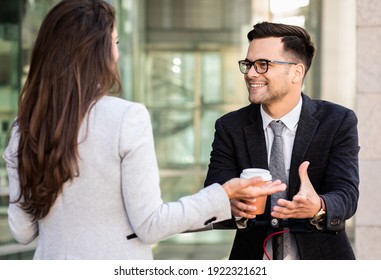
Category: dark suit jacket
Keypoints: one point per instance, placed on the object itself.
(326, 137)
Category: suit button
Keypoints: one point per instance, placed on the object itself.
(210, 221)
(274, 222)
(335, 222)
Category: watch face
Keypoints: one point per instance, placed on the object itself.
(318, 219)
(319, 216)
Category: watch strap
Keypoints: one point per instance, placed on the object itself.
(319, 219)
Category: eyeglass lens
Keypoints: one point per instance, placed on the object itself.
(260, 66)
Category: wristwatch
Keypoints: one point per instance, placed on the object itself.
(319, 219)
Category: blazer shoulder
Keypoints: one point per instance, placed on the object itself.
(324, 108)
(115, 104)
(243, 113)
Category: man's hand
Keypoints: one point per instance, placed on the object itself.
(305, 204)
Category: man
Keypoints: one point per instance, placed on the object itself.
(320, 150)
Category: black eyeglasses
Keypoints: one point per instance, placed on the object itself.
(260, 65)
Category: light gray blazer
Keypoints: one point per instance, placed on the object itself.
(116, 194)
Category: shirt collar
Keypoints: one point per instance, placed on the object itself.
(290, 120)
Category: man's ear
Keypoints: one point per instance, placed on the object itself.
(299, 71)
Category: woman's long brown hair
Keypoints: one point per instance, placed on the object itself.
(71, 67)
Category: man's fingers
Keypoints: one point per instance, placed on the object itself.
(241, 209)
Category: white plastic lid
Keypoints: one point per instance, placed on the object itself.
(256, 172)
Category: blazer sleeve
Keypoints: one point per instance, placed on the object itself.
(153, 220)
(340, 189)
(23, 229)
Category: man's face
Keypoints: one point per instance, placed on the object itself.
(274, 85)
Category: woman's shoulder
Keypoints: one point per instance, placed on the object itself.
(118, 106)
(119, 102)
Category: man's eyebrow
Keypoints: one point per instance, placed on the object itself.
(248, 60)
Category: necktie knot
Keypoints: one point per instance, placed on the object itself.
(277, 127)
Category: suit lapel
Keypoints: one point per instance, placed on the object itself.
(307, 126)
(255, 140)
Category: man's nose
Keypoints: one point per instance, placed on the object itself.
(252, 72)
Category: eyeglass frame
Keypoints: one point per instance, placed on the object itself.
(253, 63)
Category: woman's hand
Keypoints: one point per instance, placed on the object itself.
(239, 190)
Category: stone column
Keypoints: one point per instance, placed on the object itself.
(368, 219)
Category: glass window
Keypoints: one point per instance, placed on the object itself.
(10, 57)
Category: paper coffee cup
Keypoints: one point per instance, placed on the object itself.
(260, 201)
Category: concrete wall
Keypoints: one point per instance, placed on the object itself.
(368, 108)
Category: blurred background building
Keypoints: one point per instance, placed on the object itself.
(179, 58)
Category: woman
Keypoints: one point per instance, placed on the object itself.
(82, 169)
